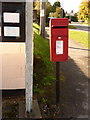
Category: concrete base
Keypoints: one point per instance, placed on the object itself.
(36, 110)
(35, 113)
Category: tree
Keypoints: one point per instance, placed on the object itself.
(58, 10)
(57, 4)
(62, 13)
(84, 11)
(48, 10)
(59, 13)
(37, 7)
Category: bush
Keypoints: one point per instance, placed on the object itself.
(73, 18)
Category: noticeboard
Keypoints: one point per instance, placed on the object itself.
(13, 22)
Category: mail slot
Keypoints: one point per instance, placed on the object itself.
(13, 22)
(59, 39)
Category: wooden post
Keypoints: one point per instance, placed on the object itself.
(29, 55)
(42, 17)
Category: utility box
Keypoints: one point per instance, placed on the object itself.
(13, 22)
(59, 39)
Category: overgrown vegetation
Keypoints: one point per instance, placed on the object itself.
(43, 67)
(80, 36)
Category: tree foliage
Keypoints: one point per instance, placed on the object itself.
(84, 11)
(57, 11)
(48, 8)
(54, 10)
(57, 4)
(36, 6)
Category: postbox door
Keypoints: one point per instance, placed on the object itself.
(59, 39)
(59, 49)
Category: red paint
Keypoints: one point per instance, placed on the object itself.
(58, 28)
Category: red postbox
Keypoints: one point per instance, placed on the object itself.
(59, 39)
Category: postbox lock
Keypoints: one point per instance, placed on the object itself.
(59, 37)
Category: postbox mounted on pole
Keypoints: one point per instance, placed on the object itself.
(59, 39)
(13, 22)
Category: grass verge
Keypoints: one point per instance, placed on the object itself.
(43, 67)
(87, 24)
(72, 27)
(80, 36)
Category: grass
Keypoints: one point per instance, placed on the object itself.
(72, 27)
(87, 24)
(43, 67)
(80, 36)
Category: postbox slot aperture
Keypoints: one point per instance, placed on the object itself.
(59, 27)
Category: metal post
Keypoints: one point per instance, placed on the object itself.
(29, 56)
(42, 17)
(57, 83)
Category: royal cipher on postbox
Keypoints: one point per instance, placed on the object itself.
(59, 39)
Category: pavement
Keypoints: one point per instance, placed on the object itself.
(74, 89)
(75, 86)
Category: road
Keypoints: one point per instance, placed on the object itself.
(74, 87)
(80, 26)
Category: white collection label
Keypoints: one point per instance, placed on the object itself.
(59, 47)
(42, 12)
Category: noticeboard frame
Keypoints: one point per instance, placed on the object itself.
(11, 7)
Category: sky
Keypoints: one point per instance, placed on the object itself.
(69, 5)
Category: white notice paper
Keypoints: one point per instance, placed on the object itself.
(12, 31)
(59, 47)
(11, 17)
(42, 13)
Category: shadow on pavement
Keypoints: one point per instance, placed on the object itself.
(74, 91)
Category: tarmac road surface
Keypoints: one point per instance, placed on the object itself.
(81, 27)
